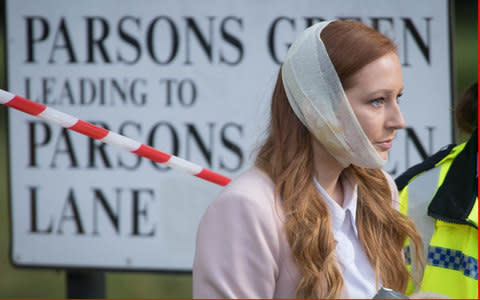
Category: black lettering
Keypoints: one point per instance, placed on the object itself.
(424, 47)
(101, 91)
(88, 91)
(36, 142)
(66, 93)
(34, 228)
(70, 205)
(113, 216)
(47, 88)
(27, 88)
(412, 135)
(378, 21)
(271, 37)
(139, 212)
(34, 37)
(206, 151)
(62, 33)
(138, 98)
(232, 40)
(68, 150)
(97, 42)
(168, 89)
(120, 90)
(232, 146)
(187, 84)
(430, 138)
(129, 39)
(173, 39)
(206, 45)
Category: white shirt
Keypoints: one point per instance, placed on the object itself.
(358, 274)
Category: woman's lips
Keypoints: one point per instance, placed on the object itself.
(385, 145)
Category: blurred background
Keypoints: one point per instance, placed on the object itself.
(46, 283)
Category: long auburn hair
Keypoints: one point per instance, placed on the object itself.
(287, 157)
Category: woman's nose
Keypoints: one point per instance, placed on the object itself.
(395, 117)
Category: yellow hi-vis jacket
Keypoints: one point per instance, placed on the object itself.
(440, 196)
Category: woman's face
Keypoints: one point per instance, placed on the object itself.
(373, 93)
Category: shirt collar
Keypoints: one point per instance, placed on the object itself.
(338, 213)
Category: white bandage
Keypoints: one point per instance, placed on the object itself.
(316, 95)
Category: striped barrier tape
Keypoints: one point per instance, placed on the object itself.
(109, 137)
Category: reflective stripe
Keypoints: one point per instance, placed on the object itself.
(420, 192)
(448, 259)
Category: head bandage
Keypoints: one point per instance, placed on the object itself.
(316, 95)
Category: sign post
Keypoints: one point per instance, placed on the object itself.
(85, 285)
(193, 78)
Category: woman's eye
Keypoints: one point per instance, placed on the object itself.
(377, 102)
(398, 97)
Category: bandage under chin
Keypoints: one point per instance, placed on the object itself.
(316, 95)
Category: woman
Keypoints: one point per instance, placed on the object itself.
(316, 217)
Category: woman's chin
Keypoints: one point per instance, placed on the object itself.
(383, 154)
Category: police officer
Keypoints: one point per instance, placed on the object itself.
(440, 196)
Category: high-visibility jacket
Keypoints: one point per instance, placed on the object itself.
(440, 196)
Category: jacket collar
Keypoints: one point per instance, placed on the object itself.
(456, 197)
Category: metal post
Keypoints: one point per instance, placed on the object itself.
(85, 284)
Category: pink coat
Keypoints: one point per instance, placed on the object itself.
(241, 249)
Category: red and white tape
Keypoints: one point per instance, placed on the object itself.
(108, 137)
